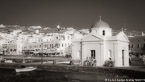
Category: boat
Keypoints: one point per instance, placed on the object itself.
(26, 69)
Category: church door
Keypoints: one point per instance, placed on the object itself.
(123, 57)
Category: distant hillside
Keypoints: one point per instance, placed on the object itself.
(29, 29)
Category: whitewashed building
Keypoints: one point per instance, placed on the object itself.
(12, 49)
(101, 45)
(50, 44)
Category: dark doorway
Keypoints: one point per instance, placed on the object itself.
(93, 55)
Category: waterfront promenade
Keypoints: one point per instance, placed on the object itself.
(36, 58)
(32, 59)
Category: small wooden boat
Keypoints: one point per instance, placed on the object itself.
(26, 69)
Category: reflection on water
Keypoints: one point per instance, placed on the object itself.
(9, 75)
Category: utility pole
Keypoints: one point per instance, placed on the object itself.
(42, 54)
(42, 49)
(81, 52)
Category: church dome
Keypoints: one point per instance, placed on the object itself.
(101, 23)
(101, 28)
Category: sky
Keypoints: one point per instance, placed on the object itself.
(78, 14)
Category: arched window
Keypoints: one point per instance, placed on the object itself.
(103, 32)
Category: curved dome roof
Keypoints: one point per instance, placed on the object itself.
(101, 23)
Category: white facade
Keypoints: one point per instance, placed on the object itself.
(13, 49)
(101, 45)
(49, 44)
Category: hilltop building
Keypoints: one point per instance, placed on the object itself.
(100, 45)
(137, 45)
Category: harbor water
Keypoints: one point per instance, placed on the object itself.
(9, 75)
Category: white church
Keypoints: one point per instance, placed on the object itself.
(101, 45)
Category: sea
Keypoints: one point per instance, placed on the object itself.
(9, 75)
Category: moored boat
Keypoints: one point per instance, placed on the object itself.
(26, 69)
